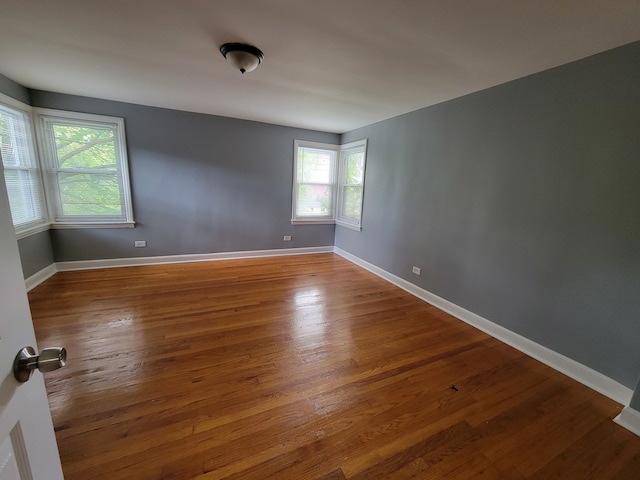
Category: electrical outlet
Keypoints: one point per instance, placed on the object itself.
(287, 238)
(416, 270)
(140, 243)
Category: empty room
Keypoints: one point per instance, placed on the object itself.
(356, 239)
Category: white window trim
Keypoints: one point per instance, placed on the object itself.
(42, 225)
(70, 225)
(342, 172)
(32, 230)
(320, 220)
(338, 185)
(121, 146)
(13, 103)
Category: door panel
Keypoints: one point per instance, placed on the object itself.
(26, 429)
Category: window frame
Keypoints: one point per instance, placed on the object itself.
(338, 184)
(345, 150)
(315, 219)
(13, 106)
(46, 145)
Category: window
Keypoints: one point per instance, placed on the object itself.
(86, 169)
(326, 190)
(314, 182)
(21, 172)
(351, 184)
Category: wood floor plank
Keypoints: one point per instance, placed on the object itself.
(302, 367)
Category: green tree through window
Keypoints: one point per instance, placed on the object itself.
(88, 180)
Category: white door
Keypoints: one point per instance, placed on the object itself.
(28, 447)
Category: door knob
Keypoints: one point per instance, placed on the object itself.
(27, 361)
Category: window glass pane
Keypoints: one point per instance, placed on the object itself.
(352, 202)
(90, 194)
(315, 166)
(355, 168)
(87, 147)
(314, 200)
(23, 187)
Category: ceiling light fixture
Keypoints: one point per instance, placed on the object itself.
(243, 57)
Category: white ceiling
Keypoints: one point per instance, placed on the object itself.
(331, 65)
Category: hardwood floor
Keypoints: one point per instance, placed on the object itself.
(303, 367)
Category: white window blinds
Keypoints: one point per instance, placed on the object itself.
(21, 172)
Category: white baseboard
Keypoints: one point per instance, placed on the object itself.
(197, 257)
(37, 278)
(583, 374)
(629, 419)
(47, 272)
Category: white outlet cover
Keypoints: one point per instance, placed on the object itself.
(416, 270)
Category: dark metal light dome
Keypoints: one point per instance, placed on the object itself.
(244, 57)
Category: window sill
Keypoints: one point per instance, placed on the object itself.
(352, 226)
(63, 226)
(325, 221)
(32, 231)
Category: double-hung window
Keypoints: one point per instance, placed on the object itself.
(86, 169)
(351, 184)
(314, 192)
(328, 183)
(21, 170)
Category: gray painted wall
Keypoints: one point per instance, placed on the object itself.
(35, 250)
(35, 253)
(521, 203)
(14, 90)
(201, 184)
